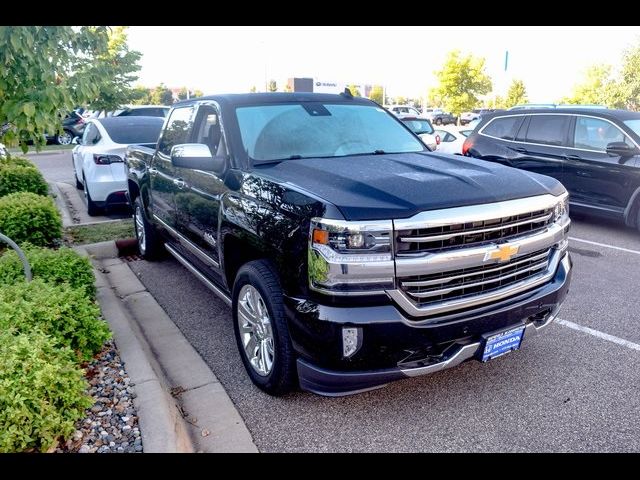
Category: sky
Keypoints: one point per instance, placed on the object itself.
(550, 60)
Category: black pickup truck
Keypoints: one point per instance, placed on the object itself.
(350, 255)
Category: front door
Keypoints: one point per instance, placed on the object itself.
(198, 202)
(592, 176)
(165, 181)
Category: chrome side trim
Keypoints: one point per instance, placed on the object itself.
(408, 306)
(447, 236)
(477, 213)
(223, 296)
(469, 351)
(426, 283)
(193, 248)
(459, 258)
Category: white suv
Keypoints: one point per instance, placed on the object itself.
(402, 111)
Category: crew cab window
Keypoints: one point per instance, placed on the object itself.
(177, 131)
(548, 129)
(208, 130)
(503, 127)
(596, 134)
(310, 129)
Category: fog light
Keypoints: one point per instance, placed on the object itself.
(351, 341)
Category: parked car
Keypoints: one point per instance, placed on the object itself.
(143, 111)
(594, 153)
(423, 128)
(402, 111)
(530, 106)
(438, 117)
(98, 159)
(350, 255)
(475, 114)
(451, 140)
(73, 125)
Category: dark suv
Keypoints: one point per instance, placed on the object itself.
(594, 152)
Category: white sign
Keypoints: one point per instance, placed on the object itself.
(322, 86)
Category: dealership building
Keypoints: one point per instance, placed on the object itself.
(316, 85)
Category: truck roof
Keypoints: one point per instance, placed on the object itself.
(236, 99)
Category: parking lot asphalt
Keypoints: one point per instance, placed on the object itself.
(565, 390)
(573, 388)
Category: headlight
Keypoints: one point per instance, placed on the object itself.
(561, 210)
(350, 258)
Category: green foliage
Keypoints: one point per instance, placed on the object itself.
(12, 161)
(461, 80)
(26, 217)
(42, 391)
(53, 266)
(355, 91)
(119, 65)
(161, 95)
(99, 232)
(15, 176)
(141, 95)
(376, 94)
(253, 89)
(400, 100)
(65, 313)
(516, 95)
(597, 87)
(496, 102)
(47, 71)
(272, 86)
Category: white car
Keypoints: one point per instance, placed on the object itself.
(423, 128)
(98, 159)
(451, 140)
(403, 111)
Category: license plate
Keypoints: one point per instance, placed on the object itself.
(502, 343)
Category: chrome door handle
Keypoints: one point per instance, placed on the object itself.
(153, 171)
(178, 182)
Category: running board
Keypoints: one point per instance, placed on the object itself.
(209, 284)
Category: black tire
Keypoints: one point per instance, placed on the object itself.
(79, 184)
(150, 244)
(438, 121)
(65, 138)
(282, 377)
(92, 209)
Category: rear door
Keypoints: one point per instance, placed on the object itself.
(165, 182)
(594, 177)
(198, 201)
(541, 144)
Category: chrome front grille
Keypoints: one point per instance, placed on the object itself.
(472, 233)
(467, 282)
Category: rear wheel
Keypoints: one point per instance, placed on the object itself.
(65, 138)
(149, 242)
(438, 121)
(261, 328)
(92, 208)
(79, 185)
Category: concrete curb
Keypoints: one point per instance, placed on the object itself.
(206, 413)
(60, 202)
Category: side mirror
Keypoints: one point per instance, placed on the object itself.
(197, 156)
(76, 140)
(621, 149)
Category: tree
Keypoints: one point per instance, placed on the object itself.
(596, 88)
(253, 89)
(626, 93)
(47, 72)
(119, 65)
(496, 102)
(197, 93)
(400, 100)
(182, 93)
(287, 88)
(376, 94)
(141, 95)
(461, 80)
(161, 95)
(516, 95)
(272, 86)
(355, 91)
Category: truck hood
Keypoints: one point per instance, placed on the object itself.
(400, 185)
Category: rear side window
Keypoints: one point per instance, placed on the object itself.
(548, 129)
(503, 127)
(177, 131)
(130, 132)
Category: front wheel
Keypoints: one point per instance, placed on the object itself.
(149, 243)
(261, 328)
(438, 121)
(65, 138)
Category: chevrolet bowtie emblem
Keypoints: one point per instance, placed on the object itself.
(503, 253)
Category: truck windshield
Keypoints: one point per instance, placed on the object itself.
(310, 129)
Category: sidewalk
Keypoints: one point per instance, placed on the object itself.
(182, 407)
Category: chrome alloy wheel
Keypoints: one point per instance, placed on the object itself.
(255, 330)
(140, 230)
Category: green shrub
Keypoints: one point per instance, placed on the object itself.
(19, 178)
(42, 391)
(27, 217)
(63, 312)
(52, 266)
(20, 161)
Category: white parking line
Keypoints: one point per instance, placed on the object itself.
(596, 333)
(637, 252)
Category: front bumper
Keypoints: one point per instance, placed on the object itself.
(397, 347)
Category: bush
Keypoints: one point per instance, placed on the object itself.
(52, 266)
(20, 161)
(27, 217)
(19, 178)
(42, 391)
(63, 312)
